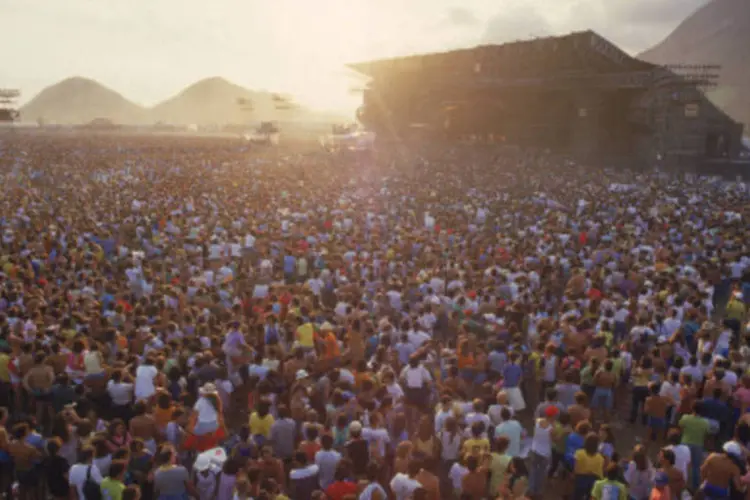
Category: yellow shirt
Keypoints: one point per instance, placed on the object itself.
(305, 334)
(589, 465)
(261, 425)
(735, 310)
(4, 370)
(471, 445)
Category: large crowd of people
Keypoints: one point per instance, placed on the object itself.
(186, 317)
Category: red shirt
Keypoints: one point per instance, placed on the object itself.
(340, 489)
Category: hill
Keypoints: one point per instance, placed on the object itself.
(717, 33)
(79, 100)
(215, 100)
(212, 101)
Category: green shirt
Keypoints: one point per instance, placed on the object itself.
(498, 466)
(587, 375)
(694, 430)
(111, 489)
(604, 489)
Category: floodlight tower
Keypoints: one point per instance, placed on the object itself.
(8, 111)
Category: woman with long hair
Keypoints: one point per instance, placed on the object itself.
(639, 475)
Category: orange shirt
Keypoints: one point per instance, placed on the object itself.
(331, 345)
(162, 416)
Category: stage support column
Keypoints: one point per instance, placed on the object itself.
(585, 139)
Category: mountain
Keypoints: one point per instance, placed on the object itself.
(217, 101)
(211, 101)
(717, 33)
(79, 100)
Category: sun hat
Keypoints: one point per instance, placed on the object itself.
(208, 388)
(202, 462)
(732, 448)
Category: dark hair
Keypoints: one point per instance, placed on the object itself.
(668, 455)
(639, 458)
(132, 492)
(117, 468)
(591, 444)
(326, 441)
(86, 454)
(613, 472)
(505, 413)
(53, 446)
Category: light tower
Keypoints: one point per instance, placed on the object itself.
(8, 98)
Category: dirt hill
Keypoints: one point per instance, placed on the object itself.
(215, 101)
(79, 100)
(212, 101)
(718, 33)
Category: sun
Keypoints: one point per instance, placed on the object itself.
(321, 37)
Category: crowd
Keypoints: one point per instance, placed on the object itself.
(185, 317)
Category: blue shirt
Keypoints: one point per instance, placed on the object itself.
(512, 375)
(572, 445)
(290, 264)
(497, 361)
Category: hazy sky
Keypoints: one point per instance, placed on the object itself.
(148, 50)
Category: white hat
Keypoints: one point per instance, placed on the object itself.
(301, 374)
(326, 327)
(208, 388)
(732, 448)
(355, 426)
(202, 462)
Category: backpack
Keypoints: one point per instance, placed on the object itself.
(91, 489)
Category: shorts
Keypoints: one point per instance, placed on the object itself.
(714, 492)
(657, 423)
(602, 398)
(27, 478)
(419, 396)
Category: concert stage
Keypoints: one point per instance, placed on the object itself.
(576, 94)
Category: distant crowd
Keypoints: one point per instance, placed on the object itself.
(190, 318)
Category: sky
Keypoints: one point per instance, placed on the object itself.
(149, 50)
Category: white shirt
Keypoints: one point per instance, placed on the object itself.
(681, 458)
(541, 442)
(671, 391)
(473, 417)
(416, 378)
(377, 437)
(403, 486)
(395, 391)
(327, 460)
(671, 325)
(121, 393)
(451, 446)
(457, 474)
(417, 338)
(144, 381)
(77, 477)
(206, 411)
(440, 418)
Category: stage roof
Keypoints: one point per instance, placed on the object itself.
(577, 53)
